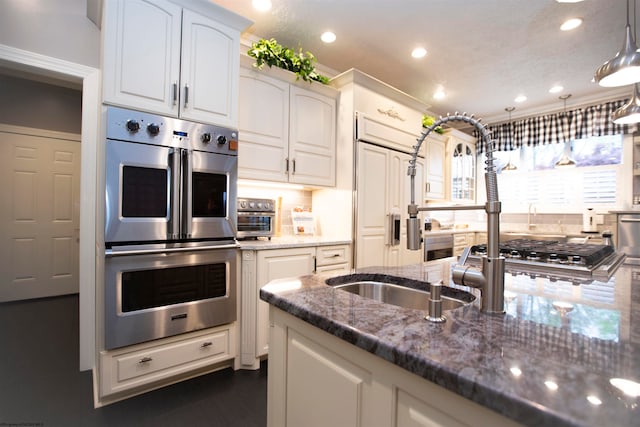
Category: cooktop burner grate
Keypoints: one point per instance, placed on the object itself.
(551, 251)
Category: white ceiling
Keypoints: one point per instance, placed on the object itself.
(483, 52)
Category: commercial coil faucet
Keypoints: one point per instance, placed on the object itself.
(490, 278)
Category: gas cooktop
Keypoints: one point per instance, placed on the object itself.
(554, 259)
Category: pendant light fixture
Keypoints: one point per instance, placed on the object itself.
(510, 166)
(630, 112)
(566, 160)
(624, 68)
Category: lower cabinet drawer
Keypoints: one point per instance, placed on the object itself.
(134, 366)
(328, 255)
(342, 267)
(460, 240)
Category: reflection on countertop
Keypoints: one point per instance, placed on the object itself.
(550, 360)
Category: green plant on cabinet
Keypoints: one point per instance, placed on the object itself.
(430, 120)
(269, 52)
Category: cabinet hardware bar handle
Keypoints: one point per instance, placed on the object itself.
(206, 344)
(186, 95)
(175, 93)
(629, 220)
(294, 167)
(145, 360)
(286, 168)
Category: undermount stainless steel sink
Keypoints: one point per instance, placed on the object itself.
(401, 294)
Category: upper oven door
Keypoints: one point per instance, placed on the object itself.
(139, 194)
(209, 196)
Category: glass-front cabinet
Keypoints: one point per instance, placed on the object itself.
(462, 151)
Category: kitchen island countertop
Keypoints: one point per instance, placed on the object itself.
(535, 364)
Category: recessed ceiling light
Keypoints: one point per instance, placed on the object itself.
(571, 24)
(418, 52)
(569, 1)
(556, 89)
(328, 37)
(261, 5)
(520, 98)
(439, 94)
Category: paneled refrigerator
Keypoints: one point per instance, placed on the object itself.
(383, 192)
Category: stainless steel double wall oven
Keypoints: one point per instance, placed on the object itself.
(170, 226)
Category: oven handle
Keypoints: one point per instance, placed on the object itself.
(120, 252)
(629, 220)
(187, 196)
(173, 225)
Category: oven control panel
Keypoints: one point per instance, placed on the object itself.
(138, 126)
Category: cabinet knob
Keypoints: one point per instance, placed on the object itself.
(153, 129)
(133, 125)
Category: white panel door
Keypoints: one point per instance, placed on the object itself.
(278, 264)
(312, 139)
(435, 170)
(372, 185)
(209, 69)
(395, 197)
(322, 388)
(39, 213)
(264, 127)
(142, 54)
(410, 257)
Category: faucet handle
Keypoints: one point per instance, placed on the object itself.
(465, 254)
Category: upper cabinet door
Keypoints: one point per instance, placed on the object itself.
(209, 70)
(142, 54)
(435, 168)
(264, 127)
(312, 139)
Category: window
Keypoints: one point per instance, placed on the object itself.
(593, 182)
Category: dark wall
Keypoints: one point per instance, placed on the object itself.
(39, 105)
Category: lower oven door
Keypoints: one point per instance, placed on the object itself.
(156, 295)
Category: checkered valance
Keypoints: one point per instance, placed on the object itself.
(556, 128)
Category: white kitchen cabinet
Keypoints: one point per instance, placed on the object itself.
(462, 160)
(287, 131)
(461, 241)
(317, 379)
(130, 370)
(278, 264)
(435, 167)
(334, 259)
(259, 267)
(480, 237)
(434, 271)
(383, 194)
(164, 59)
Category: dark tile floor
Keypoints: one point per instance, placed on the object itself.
(40, 383)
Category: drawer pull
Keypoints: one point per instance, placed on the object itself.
(335, 255)
(206, 344)
(145, 360)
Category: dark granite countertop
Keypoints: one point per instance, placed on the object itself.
(533, 364)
